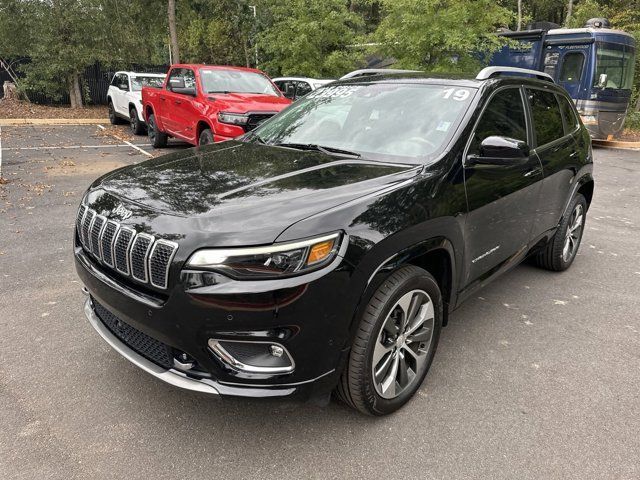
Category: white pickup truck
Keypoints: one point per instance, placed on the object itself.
(124, 97)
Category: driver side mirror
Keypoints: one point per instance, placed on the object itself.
(496, 150)
(603, 80)
(177, 85)
(290, 91)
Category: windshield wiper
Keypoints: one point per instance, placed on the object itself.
(256, 137)
(319, 148)
(225, 92)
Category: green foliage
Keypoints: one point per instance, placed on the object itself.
(632, 122)
(215, 32)
(309, 38)
(440, 34)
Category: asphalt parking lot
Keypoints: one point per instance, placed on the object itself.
(536, 377)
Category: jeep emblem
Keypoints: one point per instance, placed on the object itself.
(122, 212)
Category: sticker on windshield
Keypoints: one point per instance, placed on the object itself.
(340, 91)
(457, 94)
(443, 126)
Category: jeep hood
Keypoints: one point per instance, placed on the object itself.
(235, 188)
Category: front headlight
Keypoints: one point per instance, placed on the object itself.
(273, 261)
(233, 118)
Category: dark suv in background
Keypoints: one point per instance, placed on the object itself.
(325, 249)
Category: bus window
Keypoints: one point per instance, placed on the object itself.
(617, 62)
(572, 64)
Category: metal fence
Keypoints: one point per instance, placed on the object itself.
(94, 82)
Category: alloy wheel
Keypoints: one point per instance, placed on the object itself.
(574, 232)
(400, 352)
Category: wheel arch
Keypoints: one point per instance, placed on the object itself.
(436, 255)
(202, 125)
(586, 189)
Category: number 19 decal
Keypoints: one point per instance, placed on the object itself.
(459, 95)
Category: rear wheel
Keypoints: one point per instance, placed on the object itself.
(156, 137)
(561, 250)
(395, 343)
(134, 122)
(206, 137)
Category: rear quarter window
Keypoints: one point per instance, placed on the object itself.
(571, 122)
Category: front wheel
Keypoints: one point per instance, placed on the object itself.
(395, 343)
(134, 122)
(156, 137)
(206, 137)
(560, 252)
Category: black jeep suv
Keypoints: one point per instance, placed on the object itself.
(326, 249)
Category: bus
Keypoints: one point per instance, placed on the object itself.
(595, 64)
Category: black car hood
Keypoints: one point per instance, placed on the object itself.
(246, 193)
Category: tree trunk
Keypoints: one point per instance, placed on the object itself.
(75, 92)
(173, 32)
(519, 15)
(569, 13)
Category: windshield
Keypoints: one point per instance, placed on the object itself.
(617, 62)
(235, 81)
(138, 82)
(388, 122)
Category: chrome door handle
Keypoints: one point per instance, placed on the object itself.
(535, 171)
(177, 102)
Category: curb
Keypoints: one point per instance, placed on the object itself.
(615, 144)
(51, 121)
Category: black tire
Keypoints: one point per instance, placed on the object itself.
(206, 137)
(113, 117)
(357, 386)
(137, 127)
(553, 256)
(157, 138)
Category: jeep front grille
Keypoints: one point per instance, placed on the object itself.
(136, 255)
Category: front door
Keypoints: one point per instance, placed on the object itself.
(502, 198)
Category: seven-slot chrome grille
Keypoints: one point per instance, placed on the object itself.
(137, 255)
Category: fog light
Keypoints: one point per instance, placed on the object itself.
(253, 357)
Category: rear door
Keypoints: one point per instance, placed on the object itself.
(185, 116)
(167, 101)
(502, 198)
(555, 145)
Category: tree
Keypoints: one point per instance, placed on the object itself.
(440, 34)
(173, 31)
(569, 12)
(309, 38)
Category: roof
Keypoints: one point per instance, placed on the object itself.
(589, 30)
(142, 74)
(304, 79)
(214, 67)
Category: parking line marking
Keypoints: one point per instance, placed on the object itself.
(64, 147)
(128, 143)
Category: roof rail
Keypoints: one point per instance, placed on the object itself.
(489, 72)
(365, 72)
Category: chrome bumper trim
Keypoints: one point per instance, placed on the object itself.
(172, 377)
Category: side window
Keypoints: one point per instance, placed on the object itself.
(114, 80)
(503, 116)
(189, 78)
(569, 114)
(545, 112)
(572, 64)
(303, 89)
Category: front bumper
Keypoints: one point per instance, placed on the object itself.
(312, 330)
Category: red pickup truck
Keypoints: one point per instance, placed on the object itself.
(202, 104)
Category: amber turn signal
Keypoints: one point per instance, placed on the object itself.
(320, 251)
